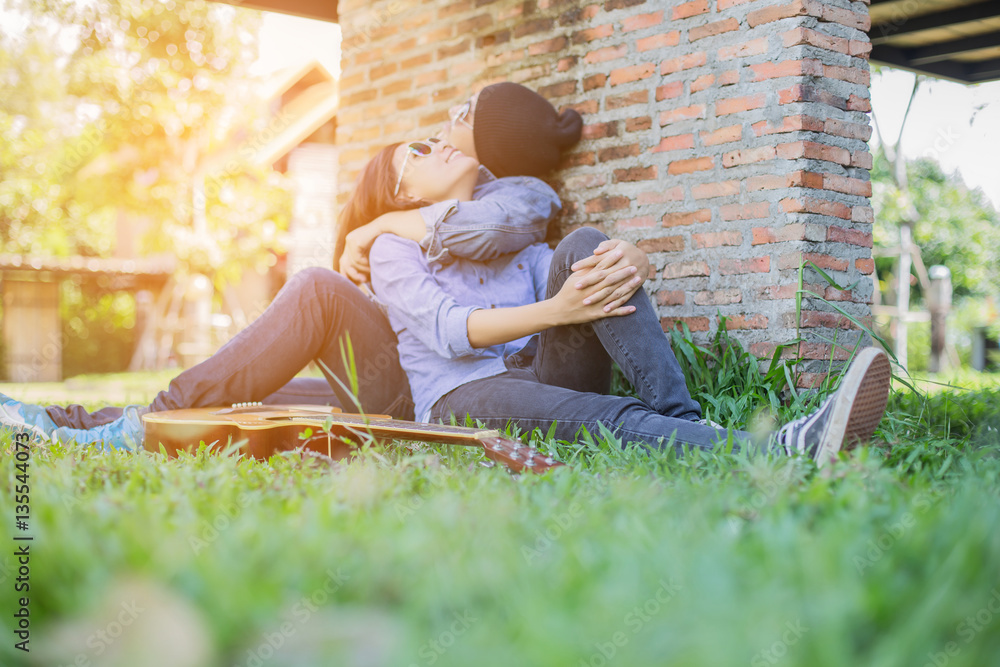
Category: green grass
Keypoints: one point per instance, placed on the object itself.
(417, 555)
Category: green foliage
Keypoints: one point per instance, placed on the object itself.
(726, 380)
(98, 329)
(956, 227)
(37, 211)
(120, 108)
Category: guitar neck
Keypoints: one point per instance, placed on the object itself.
(511, 453)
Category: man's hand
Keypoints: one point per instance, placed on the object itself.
(617, 269)
(406, 224)
(357, 244)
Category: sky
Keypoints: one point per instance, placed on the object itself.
(289, 40)
(958, 125)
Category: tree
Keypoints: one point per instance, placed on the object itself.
(124, 120)
(954, 226)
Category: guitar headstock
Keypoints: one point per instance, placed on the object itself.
(517, 457)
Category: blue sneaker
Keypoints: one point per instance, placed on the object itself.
(21, 417)
(849, 417)
(126, 432)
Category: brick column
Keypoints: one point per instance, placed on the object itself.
(725, 137)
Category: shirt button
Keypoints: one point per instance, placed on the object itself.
(480, 281)
(520, 266)
(492, 305)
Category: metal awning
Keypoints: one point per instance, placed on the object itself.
(949, 39)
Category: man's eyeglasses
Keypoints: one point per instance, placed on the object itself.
(458, 114)
(416, 149)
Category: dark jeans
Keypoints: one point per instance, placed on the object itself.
(567, 379)
(307, 321)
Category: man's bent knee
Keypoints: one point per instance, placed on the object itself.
(580, 243)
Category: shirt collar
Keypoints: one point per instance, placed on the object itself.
(485, 176)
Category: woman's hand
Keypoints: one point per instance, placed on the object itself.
(357, 244)
(572, 305)
(617, 269)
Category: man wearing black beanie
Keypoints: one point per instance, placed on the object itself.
(513, 131)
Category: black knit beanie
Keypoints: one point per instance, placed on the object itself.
(519, 133)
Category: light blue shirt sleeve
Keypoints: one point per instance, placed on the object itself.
(402, 279)
(508, 215)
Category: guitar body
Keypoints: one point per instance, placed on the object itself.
(264, 430)
(262, 433)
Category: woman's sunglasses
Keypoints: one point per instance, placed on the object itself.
(416, 149)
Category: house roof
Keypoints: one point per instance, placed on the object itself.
(305, 97)
(309, 98)
(322, 10)
(949, 39)
(123, 273)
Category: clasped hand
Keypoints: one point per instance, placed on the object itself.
(354, 260)
(606, 281)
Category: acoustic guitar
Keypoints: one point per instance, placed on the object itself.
(263, 430)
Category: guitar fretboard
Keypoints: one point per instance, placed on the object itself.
(392, 427)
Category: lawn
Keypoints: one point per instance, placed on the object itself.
(418, 555)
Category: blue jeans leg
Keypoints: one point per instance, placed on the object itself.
(579, 356)
(307, 321)
(517, 396)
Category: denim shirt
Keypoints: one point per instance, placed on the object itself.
(504, 216)
(429, 300)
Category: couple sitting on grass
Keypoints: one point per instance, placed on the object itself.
(481, 318)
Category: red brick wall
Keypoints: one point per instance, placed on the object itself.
(725, 137)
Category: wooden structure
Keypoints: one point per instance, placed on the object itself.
(957, 40)
(32, 332)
